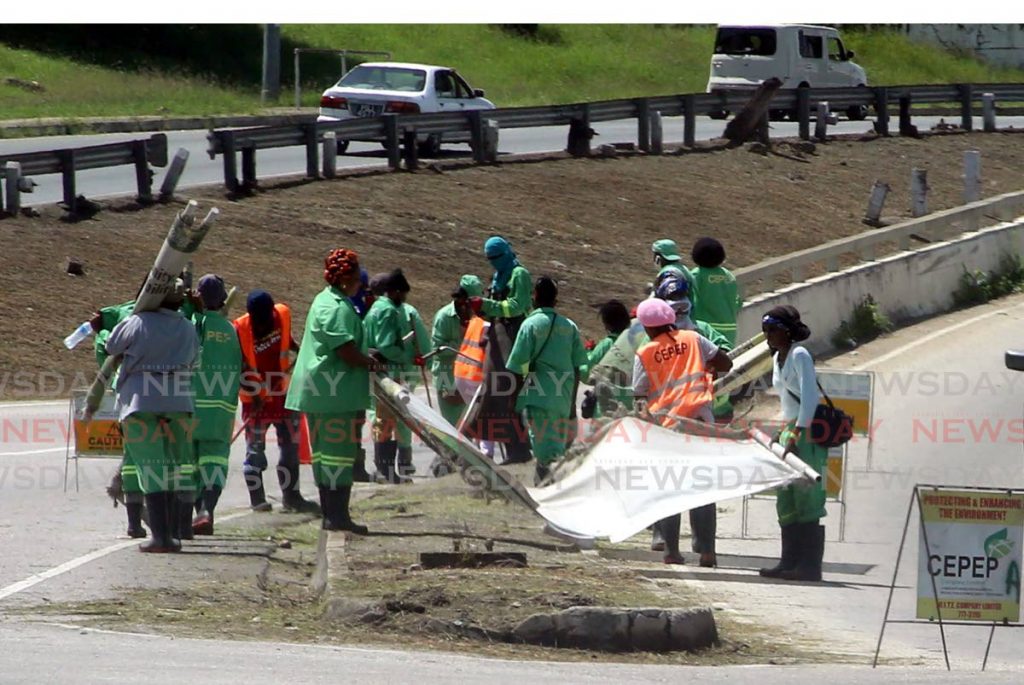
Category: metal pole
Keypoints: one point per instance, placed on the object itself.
(821, 122)
(935, 590)
(298, 82)
(988, 111)
(173, 174)
(991, 634)
(895, 571)
(271, 63)
(330, 153)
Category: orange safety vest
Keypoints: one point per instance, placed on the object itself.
(679, 381)
(245, 338)
(473, 342)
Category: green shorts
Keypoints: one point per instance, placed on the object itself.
(160, 447)
(334, 442)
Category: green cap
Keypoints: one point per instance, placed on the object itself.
(667, 249)
(472, 285)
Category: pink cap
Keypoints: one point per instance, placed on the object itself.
(655, 312)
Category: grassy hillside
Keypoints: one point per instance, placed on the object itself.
(213, 69)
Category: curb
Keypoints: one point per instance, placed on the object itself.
(24, 128)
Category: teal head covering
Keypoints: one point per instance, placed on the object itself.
(499, 253)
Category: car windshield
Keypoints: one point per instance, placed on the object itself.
(741, 41)
(385, 78)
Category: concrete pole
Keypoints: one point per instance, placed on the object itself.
(821, 122)
(174, 172)
(330, 162)
(13, 176)
(918, 192)
(657, 139)
(879, 191)
(271, 63)
(988, 111)
(972, 176)
(490, 136)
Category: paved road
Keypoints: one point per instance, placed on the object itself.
(288, 161)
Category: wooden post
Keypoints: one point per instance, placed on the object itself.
(803, 110)
(689, 120)
(918, 192)
(312, 150)
(988, 111)
(821, 121)
(143, 176)
(391, 141)
(67, 171)
(966, 98)
(173, 175)
(230, 163)
(907, 127)
(643, 122)
(879, 190)
(409, 150)
(490, 137)
(249, 167)
(580, 133)
(882, 111)
(657, 134)
(972, 176)
(330, 153)
(12, 183)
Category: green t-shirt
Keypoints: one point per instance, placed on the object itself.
(109, 318)
(322, 382)
(386, 324)
(447, 331)
(519, 300)
(215, 382)
(595, 355)
(717, 300)
(555, 360)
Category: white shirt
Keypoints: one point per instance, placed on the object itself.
(796, 377)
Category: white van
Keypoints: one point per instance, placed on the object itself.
(800, 55)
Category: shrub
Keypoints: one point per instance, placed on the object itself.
(866, 323)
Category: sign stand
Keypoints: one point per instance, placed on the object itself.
(915, 498)
(100, 438)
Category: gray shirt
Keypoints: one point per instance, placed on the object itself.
(159, 350)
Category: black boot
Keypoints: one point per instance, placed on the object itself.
(405, 466)
(202, 524)
(359, 472)
(161, 541)
(181, 513)
(291, 498)
(811, 549)
(384, 458)
(790, 553)
(670, 533)
(344, 498)
(704, 527)
(133, 505)
(257, 495)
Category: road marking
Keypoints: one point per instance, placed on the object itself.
(57, 404)
(37, 578)
(932, 336)
(41, 451)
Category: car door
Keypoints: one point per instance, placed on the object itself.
(467, 99)
(811, 65)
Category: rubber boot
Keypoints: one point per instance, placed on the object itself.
(181, 515)
(291, 498)
(202, 524)
(343, 501)
(704, 526)
(812, 550)
(541, 475)
(359, 472)
(405, 466)
(257, 495)
(657, 541)
(790, 553)
(670, 532)
(384, 454)
(161, 541)
(133, 505)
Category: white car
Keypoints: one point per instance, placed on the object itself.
(375, 88)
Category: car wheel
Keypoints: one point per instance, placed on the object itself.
(719, 115)
(342, 146)
(431, 147)
(857, 113)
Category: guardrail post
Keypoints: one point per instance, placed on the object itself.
(966, 101)
(907, 127)
(803, 110)
(173, 175)
(918, 192)
(988, 111)
(643, 121)
(972, 176)
(491, 135)
(476, 135)
(12, 174)
(330, 154)
(689, 120)
(312, 151)
(249, 167)
(143, 176)
(873, 217)
(409, 151)
(580, 133)
(821, 121)
(67, 172)
(882, 111)
(391, 141)
(657, 134)
(298, 82)
(230, 162)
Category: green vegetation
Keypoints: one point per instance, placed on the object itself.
(113, 70)
(980, 287)
(866, 323)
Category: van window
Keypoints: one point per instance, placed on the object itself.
(811, 47)
(744, 41)
(836, 52)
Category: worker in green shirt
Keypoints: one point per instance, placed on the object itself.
(103, 321)
(546, 358)
(716, 294)
(449, 328)
(668, 260)
(494, 418)
(388, 330)
(331, 386)
(615, 318)
(215, 385)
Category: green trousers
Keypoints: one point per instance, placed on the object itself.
(212, 462)
(803, 502)
(159, 447)
(334, 441)
(451, 411)
(548, 434)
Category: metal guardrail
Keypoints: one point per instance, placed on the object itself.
(142, 153)
(937, 226)
(391, 129)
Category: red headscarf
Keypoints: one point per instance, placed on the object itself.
(339, 264)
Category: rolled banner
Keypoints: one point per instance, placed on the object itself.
(780, 451)
(182, 240)
(748, 365)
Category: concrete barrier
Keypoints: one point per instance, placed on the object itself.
(905, 285)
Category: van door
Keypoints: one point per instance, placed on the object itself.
(840, 74)
(812, 67)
